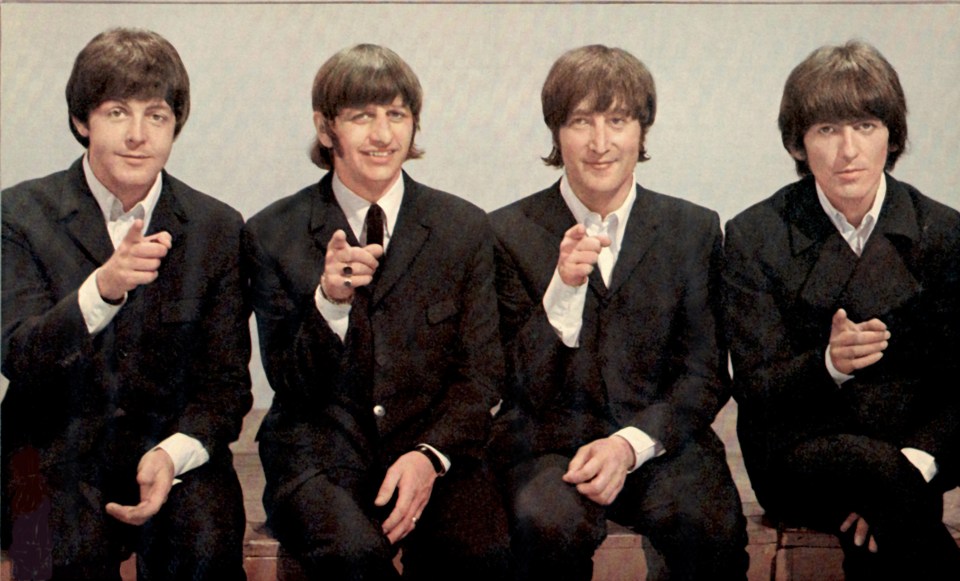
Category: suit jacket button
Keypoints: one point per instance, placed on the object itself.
(379, 411)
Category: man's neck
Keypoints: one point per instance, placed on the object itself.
(603, 204)
(855, 209)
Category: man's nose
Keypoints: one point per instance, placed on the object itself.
(598, 136)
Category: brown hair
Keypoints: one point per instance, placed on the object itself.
(838, 83)
(603, 77)
(126, 63)
(358, 76)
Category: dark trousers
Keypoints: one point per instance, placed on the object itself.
(684, 502)
(198, 533)
(821, 481)
(331, 524)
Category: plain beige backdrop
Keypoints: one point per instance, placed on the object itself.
(719, 69)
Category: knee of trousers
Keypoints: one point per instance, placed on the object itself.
(562, 530)
(350, 543)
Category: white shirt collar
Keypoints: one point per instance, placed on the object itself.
(855, 237)
(355, 207)
(616, 220)
(111, 207)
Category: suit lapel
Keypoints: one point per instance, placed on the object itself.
(883, 280)
(326, 217)
(639, 236)
(82, 218)
(168, 216)
(814, 237)
(552, 218)
(866, 286)
(409, 235)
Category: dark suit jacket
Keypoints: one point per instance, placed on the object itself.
(649, 354)
(174, 359)
(787, 272)
(435, 363)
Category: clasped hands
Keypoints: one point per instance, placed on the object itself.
(347, 267)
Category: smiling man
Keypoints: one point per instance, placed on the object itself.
(378, 331)
(125, 339)
(609, 300)
(842, 307)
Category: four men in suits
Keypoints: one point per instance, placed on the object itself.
(843, 309)
(125, 339)
(378, 328)
(609, 304)
(126, 345)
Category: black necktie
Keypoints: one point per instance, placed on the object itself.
(375, 225)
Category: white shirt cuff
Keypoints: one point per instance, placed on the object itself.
(337, 316)
(924, 462)
(838, 376)
(187, 453)
(97, 313)
(564, 307)
(443, 459)
(644, 447)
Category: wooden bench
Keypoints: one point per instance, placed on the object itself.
(777, 553)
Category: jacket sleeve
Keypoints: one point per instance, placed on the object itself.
(219, 381)
(774, 368)
(461, 421)
(41, 333)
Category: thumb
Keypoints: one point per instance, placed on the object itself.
(338, 240)
(839, 320)
(604, 240)
(386, 489)
(375, 250)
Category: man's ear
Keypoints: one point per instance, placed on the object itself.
(320, 122)
(798, 154)
(80, 126)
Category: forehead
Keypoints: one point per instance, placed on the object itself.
(845, 120)
(590, 105)
(395, 102)
(152, 103)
